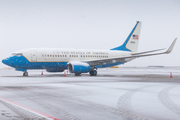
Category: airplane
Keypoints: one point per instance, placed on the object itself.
(80, 60)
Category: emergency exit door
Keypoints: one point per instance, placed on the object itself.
(33, 56)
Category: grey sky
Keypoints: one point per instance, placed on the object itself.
(90, 24)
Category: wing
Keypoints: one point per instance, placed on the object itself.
(130, 57)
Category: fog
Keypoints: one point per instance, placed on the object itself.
(90, 24)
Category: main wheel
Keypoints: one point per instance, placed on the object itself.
(93, 73)
(77, 74)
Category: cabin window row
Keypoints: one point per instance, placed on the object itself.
(54, 55)
(73, 55)
(96, 56)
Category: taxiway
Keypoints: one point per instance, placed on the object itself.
(114, 94)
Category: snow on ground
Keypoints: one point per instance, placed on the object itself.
(119, 93)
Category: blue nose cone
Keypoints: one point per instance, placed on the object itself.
(5, 61)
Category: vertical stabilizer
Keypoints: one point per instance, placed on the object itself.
(132, 41)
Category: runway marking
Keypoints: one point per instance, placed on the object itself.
(18, 108)
(122, 113)
(61, 113)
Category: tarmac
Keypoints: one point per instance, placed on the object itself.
(128, 93)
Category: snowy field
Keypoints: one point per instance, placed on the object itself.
(114, 94)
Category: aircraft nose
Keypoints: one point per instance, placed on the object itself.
(5, 61)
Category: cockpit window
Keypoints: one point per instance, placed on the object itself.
(17, 54)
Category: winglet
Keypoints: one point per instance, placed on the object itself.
(171, 47)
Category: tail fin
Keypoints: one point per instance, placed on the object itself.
(132, 41)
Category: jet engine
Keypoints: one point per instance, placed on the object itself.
(78, 67)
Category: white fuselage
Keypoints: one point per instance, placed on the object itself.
(66, 55)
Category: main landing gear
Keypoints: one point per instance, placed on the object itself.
(77, 74)
(25, 74)
(93, 73)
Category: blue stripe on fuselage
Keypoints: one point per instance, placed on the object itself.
(21, 62)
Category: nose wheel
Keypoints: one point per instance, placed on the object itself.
(93, 73)
(25, 74)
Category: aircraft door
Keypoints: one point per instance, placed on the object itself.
(81, 56)
(33, 56)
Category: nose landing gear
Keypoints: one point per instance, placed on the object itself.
(25, 74)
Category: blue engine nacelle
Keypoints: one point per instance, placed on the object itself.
(54, 70)
(78, 67)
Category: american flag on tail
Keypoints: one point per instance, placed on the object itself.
(135, 37)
